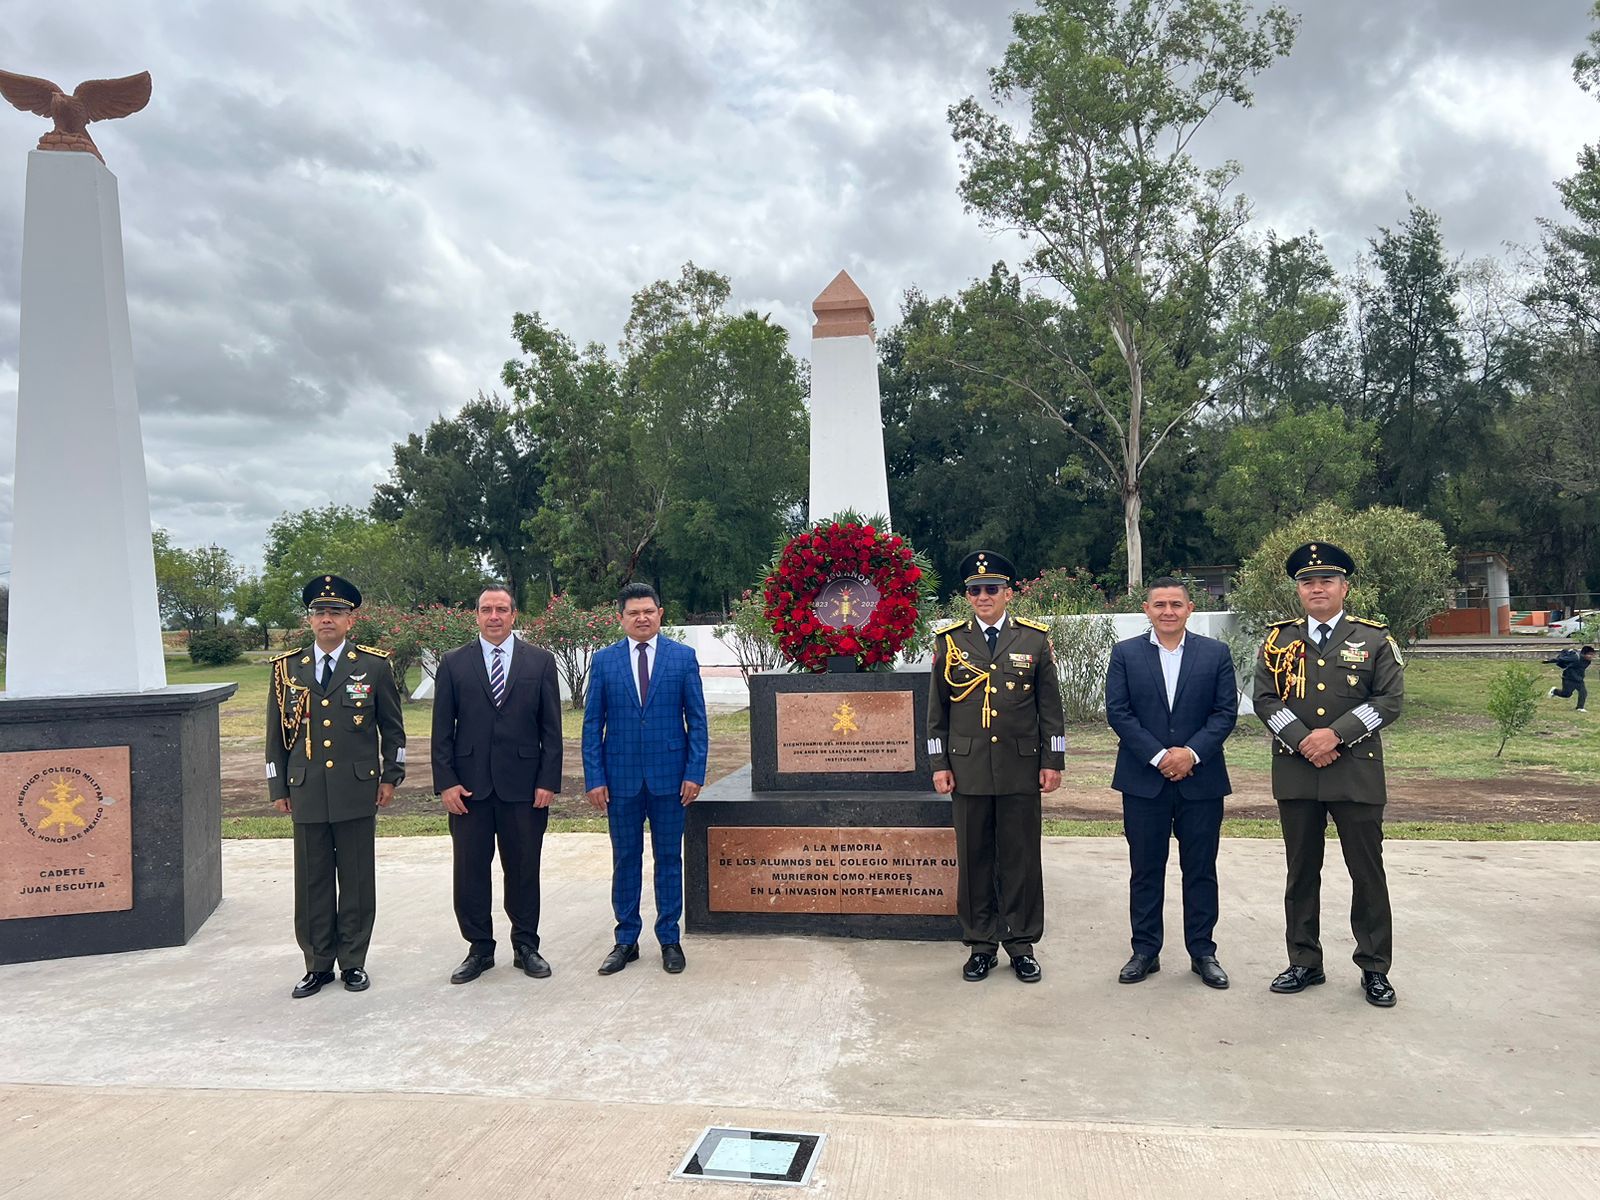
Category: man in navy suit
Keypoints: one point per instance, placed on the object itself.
(644, 755)
(497, 767)
(1172, 701)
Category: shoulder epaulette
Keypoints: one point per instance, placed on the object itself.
(1371, 624)
(285, 654)
(374, 650)
(1287, 621)
(948, 627)
(1041, 626)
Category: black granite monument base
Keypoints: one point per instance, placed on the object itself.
(856, 819)
(176, 807)
(887, 707)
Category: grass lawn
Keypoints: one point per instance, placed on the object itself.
(1444, 733)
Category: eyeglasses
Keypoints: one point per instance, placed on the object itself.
(984, 589)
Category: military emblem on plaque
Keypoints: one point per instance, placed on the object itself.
(847, 601)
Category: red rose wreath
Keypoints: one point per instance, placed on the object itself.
(841, 547)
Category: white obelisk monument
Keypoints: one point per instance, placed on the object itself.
(847, 465)
(83, 584)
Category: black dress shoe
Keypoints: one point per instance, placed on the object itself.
(471, 967)
(1137, 967)
(620, 957)
(672, 960)
(1375, 985)
(1027, 968)
(356, 980)
(313, 983)
(532, 962)
(1210, 971)
(1298, 979)
(979, 966)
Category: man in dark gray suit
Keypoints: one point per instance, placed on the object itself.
(497, 767)
(1172, 700)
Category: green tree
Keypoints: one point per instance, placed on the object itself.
(472, 481)
(248, 600)
(1413, 366)
(1123, 220)
(192, 586)
(955, 445)
(1282, 341)
(676, 461)
(1513, 701)
(1404, 568)
(1268, 476)
(391, 562)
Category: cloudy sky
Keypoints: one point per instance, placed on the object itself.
(331, 210)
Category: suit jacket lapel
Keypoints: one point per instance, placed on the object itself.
(657, 667)
(481, 669)
(1152, 656)
(1185, 668)
(341, 668)
(518, 663)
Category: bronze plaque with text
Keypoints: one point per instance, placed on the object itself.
(66, 837)
(846, 732)
(822, 869)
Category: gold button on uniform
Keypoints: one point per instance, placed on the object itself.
(325, 703)
(329, 763)
(326, 721)
(1322, 712)
(995, 738)
(327, 745)
(1322, 662)
(1322, 687)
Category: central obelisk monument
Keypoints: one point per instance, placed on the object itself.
(111, 779)
(847, 465)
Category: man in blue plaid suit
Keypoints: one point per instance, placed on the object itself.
(644, 755)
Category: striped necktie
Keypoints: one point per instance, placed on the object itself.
(497, 677)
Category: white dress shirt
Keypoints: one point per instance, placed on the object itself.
(999, 625)
(1171, 664)
(649, 658)
(1332, 623)
(322, 658)
(489, 648)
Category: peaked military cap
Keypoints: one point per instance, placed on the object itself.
(985, 566)
(330, 591)
(1319, 559)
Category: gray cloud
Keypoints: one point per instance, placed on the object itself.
(331, 212)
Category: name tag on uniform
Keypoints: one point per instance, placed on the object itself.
(1022, 660)
(1351, 652)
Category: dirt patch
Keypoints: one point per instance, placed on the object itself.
(1083, 796)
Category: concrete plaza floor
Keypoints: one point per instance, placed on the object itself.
(189, 1072)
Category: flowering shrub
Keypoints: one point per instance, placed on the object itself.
(845, 545)
(747, 632)
(1059, 592)
(573, 634)
(406, 633)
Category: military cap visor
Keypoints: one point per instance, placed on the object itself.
(1319, 560)
(330, 591)
(985, 566)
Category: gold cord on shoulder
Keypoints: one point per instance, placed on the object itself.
(1287, 664)
(294, 702)
(960, 689)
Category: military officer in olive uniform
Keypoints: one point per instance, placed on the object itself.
(336, 748)
(996, 741)
(1325, 684)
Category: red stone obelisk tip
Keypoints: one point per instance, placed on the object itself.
(842, 310)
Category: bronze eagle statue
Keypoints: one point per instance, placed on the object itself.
(92, 100)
